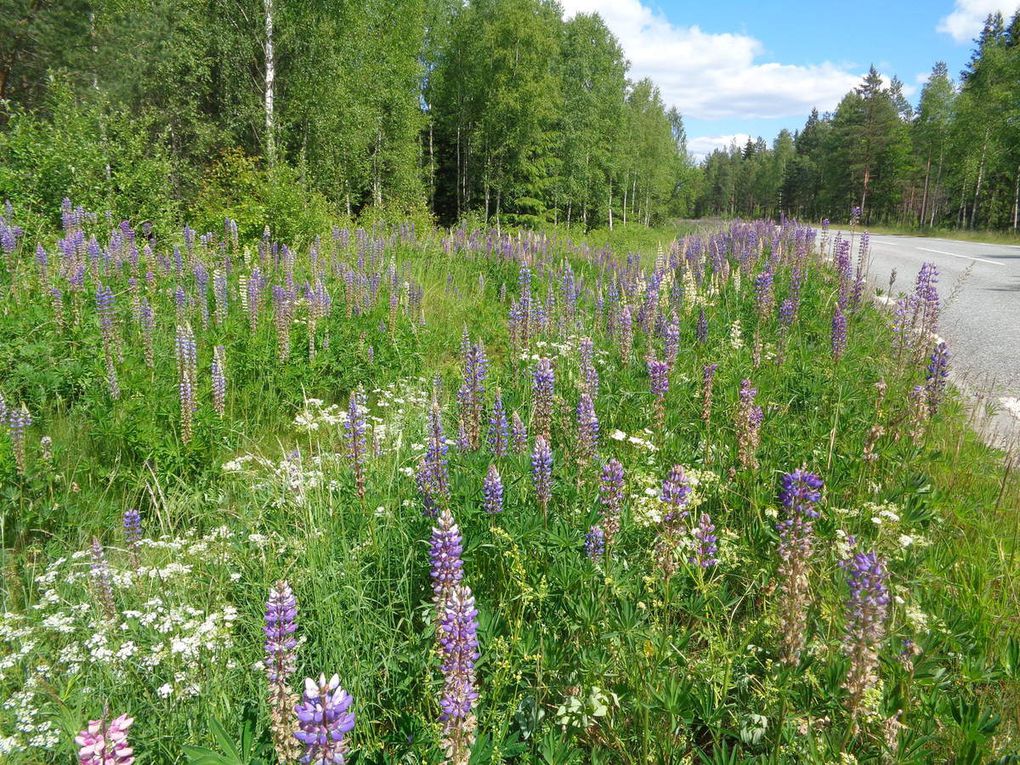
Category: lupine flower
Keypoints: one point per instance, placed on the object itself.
(445, 555)
(866, 615)
(354, 426)
(611, 496)
(499, 428)
(102, 581)
(764, 295)
(672, 340)
(658, 371)
(457, 637)
(45, 446)
(283, 316)
(589, 375)
(219, 380)
(675, 494)
(324, 719)
(280, 662)
(626, 327)
(927, 294)
(799, 493)
(132, 525)
(707, 384)
(702, 330)
(472, 391)
(148, 323)
(518, 433)
(19, 420)
(541, 471)
(838, 333)
(104, 307)
(935, 379)
(492, 491)
(705, 549)
(220, 296)
(542, 397)
(587, 428)
(187, 365)
(786, 313)
(749, 419)
(433, 477)
(595, 543)
(103, 743)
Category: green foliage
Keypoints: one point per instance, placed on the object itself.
(99, 155)
(237, 187)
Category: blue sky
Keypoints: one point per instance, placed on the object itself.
(739, 67)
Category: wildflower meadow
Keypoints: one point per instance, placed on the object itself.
(400, 494)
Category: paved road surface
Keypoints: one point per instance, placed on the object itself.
(981, 324)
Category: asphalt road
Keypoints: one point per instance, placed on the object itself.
(980, 289)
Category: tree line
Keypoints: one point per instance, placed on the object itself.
(499, 109)
(953, 161)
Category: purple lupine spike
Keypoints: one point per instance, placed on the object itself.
(542, 397)
(927, 300)
(447, 567)
(324, 719)
(354, 427)
(658, 372)
(936, 377)
(595, 543)
(626, 334)
(279, 663)
(219, 380)
(541, 472)
(220, 296)
(672, 340)
(457, 638)
(786, 313)
(838, 333)
(844, 269)
(283, 316)
(102, 580)
(867, 609)
(587, 428)
(589, 375)
(492, 491)
(471, 395)
(433, 476)
(705, 540)
(611, 496)
(748, 420)
(105, 309)
(187, 372)
(518, 434)
(132, 527)
(103, 743)
(675, 494)
(19, 420)
(799, 493)
(702, 330)
(764, 295)
(499, 428)
(707, 386)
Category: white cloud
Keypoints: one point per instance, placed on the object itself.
(968, 17)
(703, 145)
(716, 76)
